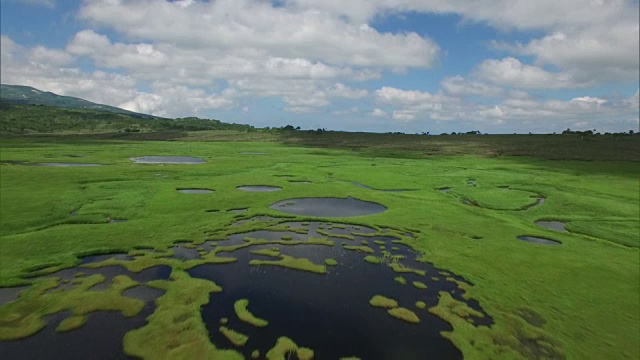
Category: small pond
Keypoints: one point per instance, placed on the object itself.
(329, 207)
(538, 240)
(552, 225)
(167, 160)
(195, 191)
(259, 188)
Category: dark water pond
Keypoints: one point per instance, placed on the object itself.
(329, 207)
(64, 164)
(552, 225)
(538, 240)
(10, 294)
(330, 313)
(102, 335)
(259, 188)
(195, 191)
(99, 338)
(167, 160)
(370, 188)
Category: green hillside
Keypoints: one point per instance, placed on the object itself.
(26, 95)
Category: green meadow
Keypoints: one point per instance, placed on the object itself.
(581, 297)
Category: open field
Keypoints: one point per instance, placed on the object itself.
(577, 300)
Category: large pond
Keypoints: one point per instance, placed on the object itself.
(330, 312)
(167, 160)
(328, 207)
(313, 282)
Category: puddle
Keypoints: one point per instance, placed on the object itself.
(444, 189)
(63, 164)
(471, 182)
(144, 293)
(9, 294)
(552, 225)
(320, 311)
(181, 251)
(538, 240)
(299, 182)
(73, 213)
(329, 207)
(539, 201)
(370, 188)
(243, 210)
(259, 188)
(113, 221)
(167, 160)
(470, 202)
(195, 191)
(98, 258)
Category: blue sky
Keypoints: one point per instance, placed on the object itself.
(433, 66)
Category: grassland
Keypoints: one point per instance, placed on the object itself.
(586, 290)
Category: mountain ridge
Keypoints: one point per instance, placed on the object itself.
(27, 95)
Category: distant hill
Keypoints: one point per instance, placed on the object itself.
(26, 95)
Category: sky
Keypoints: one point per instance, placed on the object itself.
(413, 66)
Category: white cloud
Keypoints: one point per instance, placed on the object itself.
(341, 90)
(256, 27)
(379, 113)
(458, 86)
(511, 72)
(519, 108)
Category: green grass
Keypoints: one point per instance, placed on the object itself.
(284, 346)
(291, 262)
(240, 307)
(236, 338)
(586, 290)
(372, 259)
(330, 262)
(404, 314)
(359, 248)
(419, 285)
(401, 280)
(382, 301)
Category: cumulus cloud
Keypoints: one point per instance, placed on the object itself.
(459, 86)
(379, 113)
(257, 27)
(511, 72)
(518, 107)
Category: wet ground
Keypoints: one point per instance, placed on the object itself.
(538, 240)
(167, 160)
(259, 188)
